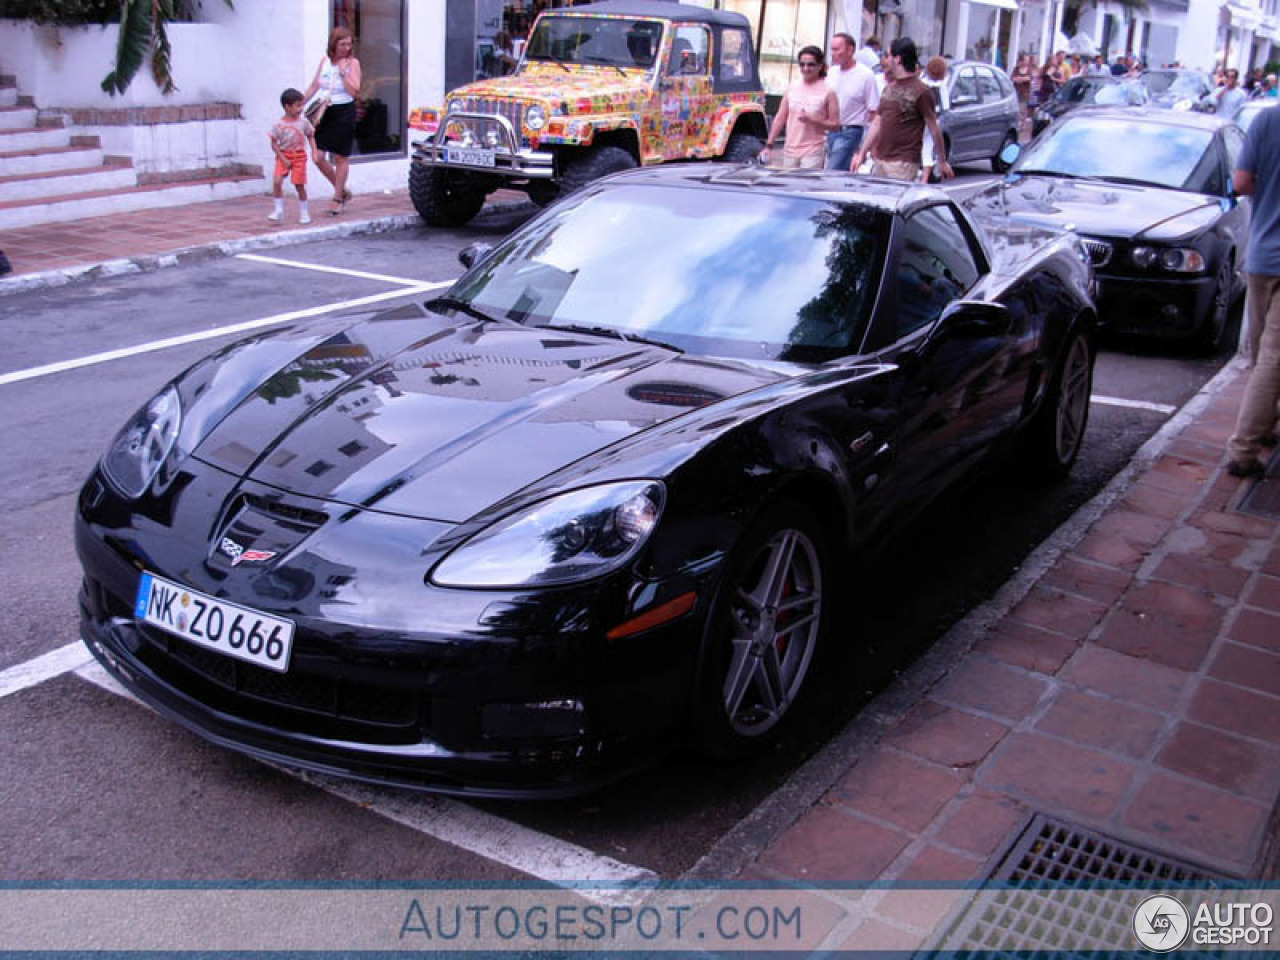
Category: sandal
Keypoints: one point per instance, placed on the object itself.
(335, 207)
(346, 195)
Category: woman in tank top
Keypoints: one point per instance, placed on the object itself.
(339, 74)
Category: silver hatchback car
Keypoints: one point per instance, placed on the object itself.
(983, 115)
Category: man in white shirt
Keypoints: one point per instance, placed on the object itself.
(1230, 98)
(859, 98)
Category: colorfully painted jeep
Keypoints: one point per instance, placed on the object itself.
(600, 88)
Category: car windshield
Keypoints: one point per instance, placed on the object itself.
(1165, 155)
(755, 276)
(1176, 85)
(1082, 89)
(607, 41)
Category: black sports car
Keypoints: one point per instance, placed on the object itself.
(1086, 91)
(1149, 191)
(514, 540)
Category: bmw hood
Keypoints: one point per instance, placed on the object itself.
(416, 414)
(1092, 207)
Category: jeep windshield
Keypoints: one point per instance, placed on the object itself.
(591, 264)
(597, 41)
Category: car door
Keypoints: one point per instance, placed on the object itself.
(686, 104)
(966, 109)
(1235, 218)
(955, 389)
(990, 127)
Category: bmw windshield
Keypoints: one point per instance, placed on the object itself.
(762, 277)
(1163, 155)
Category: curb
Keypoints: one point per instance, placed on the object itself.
(801, 791)
(145, 263)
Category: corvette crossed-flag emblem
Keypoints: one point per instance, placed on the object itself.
(239, 554)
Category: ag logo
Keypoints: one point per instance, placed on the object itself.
(1161, 923)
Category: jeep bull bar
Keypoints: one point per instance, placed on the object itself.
(507, 157)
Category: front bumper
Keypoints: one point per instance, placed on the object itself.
(1173, 308)
(497, 695)
(510, 157)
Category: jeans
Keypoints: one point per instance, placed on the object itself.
(1257, 415)
(842, 144)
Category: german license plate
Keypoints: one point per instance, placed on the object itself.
(215, 624)
(471, 155)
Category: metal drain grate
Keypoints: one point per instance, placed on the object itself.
(1263, 497)
(1059, 856)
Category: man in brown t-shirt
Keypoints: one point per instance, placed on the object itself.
(906, 109)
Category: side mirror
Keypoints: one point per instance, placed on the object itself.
(473, 253)
(1010, 154)
(975, 319)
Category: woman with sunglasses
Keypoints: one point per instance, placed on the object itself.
(808, 110)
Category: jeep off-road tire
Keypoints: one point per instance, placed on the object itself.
(593, 164)
(442, 197)
(742, 148)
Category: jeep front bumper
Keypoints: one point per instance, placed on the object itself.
(492, 148)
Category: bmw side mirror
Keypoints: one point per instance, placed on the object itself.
(473, 253)
(1010, 154)
(975, 319)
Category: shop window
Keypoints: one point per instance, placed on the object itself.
(378, 26)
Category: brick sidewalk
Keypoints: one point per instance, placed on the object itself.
(1134, 690)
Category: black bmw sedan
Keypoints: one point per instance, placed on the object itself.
(1149, 192)
(586, 505)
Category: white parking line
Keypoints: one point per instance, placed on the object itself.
(42, 668)
(1133, 404)
(92, 359)
(281, 262)
(536, 854)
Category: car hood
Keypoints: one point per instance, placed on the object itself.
(574, 91)
(417, 415)
(1095, 208)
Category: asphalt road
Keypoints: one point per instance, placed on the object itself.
(94, 787)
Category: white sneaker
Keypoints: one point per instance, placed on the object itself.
(275, 216)
(304, 218)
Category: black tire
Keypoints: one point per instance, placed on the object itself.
(742, 148)
(763, 634)
(998, 165)
(595, 163)
(1056, 434)
(442, 197)
(1209, 334)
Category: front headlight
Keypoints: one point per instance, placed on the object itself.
(142, 447)
(576, 536)
(535, 118)
(1173, 259)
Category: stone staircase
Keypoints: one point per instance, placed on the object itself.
(49, 174)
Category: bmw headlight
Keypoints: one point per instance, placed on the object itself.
(535, 118)
(575, 536)
(1173, 259)
(142, 447)
(1143, 257)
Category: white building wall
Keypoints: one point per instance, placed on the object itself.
(1198, 35)
(245, 55)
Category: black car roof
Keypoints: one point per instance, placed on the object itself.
(1168, 118)
(886, 195)
(659, 9)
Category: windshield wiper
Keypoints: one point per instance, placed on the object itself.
(1132, 180)
(607, 62)
(558, 62)
(613, 332)
(440, 304)
(1056, 173)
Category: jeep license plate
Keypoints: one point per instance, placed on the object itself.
(469, 155)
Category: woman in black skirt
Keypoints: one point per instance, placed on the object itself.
(339, 74)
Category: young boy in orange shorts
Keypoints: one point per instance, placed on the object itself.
(289, 137)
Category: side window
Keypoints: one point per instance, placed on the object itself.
(733, 62)
(988, 85)
(965, 89)
(689, 51)
(1006, 85)
(935, 266)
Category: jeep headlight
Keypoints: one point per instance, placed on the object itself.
(535, 117)
(454, 107)
(142, 447)
(572, 537)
